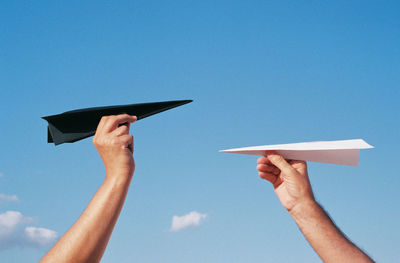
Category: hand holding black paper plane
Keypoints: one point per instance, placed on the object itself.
(72, 126)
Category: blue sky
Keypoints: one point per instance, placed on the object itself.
(259, 72)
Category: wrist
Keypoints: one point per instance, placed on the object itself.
(122, 172)
(304, 209)
(118, 178)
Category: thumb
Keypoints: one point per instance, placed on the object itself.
(281, 163)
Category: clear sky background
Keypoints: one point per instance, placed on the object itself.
(259, 72)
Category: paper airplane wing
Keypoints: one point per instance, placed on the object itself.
(72, 126)
(345, 152)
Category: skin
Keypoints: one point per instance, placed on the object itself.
(292, 186)
(87, 239)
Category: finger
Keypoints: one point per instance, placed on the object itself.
(297, 163)
(270, 168)
(127, 141)
(113, 121)
(276, 171)
(263, 160)
(268, 176)
(130, 147)
(102, 121)
(122, 130)
(266, 168)
(281, 163)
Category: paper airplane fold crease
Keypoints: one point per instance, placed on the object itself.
(72, 126)
(345, 152)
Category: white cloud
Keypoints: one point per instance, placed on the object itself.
(8, 198)
(39, 236)
(10, 220)
(12, 233)
(9, 228)
(1, 174)
(192, 219)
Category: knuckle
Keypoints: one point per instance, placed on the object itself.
(128, 138)
(124, 128)
(97, 140)
(114, 141)
(262, 167)
(101, 142)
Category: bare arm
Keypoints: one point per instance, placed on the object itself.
(292, 186)
(87, 239)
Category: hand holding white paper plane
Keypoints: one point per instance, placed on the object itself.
(345, 152)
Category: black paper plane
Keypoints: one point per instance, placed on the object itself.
(72, 126)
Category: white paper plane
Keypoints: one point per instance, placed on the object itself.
(344, 152)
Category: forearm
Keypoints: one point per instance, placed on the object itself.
(87, 239)
(322, 234)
